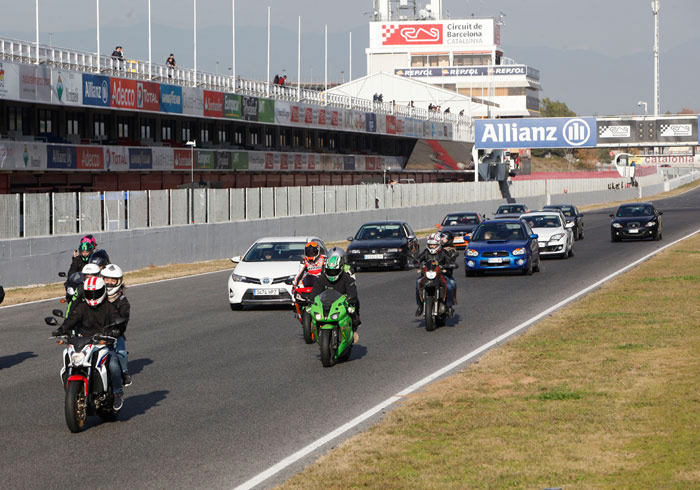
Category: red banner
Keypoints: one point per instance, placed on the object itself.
(182, 159)
(322, 117)
(411, 34)
(213, 104)
(90, 158)
(390, 124)
(294, 116)
(369, 163)
(131, 94)
(334, 118)
(309, 115)
(269, 161)
(284, 161)
(311, 161)
(297, 161)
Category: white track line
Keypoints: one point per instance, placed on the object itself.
(271, 471)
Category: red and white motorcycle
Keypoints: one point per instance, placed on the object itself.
(85, 377)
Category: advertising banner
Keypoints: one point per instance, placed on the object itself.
(580, 132)
(284, 161)
(256, 160)
(35, 83)
(232, 106)
(390, 125)
(381, 123)
(22, 156)
(677, 130)
(116, 158)
(463, 71)
(239, 160)
(140, 159)
(335, 118)
(308, 113)
(266, 110)
(371, 122)
(616, 132)
(60, 157)
(9, 80)
(182, 159)
(322, 117)
(132, 94)
(192, 101)
(222, 160)
(250, 108)
(162, 158)
(90, 158)
(311, 162)
(203, 159)
(171, 99)
(96, 90)
(283, 112)
(454, 33)
(213, 104)
(348, 163)
(66, 88)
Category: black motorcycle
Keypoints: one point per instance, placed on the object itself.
(432, 291)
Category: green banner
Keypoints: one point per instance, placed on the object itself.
(232, 106)
(266, 110)
(240, 160)
(205, 159)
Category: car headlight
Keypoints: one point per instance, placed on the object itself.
(472, 253)
(78, 358)
(392, 250)
(557, 236)
(431, 275)
(318, 316)
(354, 251)
(519, 251)
(617, 225)
(334, 316)
(650, 224)
(236, 277)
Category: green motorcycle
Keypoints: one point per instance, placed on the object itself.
(332, 325)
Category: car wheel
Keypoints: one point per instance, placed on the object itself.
(571, 252)
(236, 306)
(536, 267)
(527, 271)
(565, 255)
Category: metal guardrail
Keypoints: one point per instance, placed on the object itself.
(83, 61)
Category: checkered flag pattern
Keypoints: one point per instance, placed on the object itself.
(663, 128)
(602, 130)
(388, 30)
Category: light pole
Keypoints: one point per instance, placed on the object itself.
(642, 103)
(655, 7)
(191, 144)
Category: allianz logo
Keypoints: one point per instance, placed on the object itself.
(575, 132)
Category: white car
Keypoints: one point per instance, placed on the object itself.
(555, 236)
(265, 272)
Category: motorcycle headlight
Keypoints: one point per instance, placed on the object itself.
(557, 236)
(472, 253)
(650, 224)
(78, 358)
(519, 251)
(334, 316)
(617, 225)
(431, 274)
(318, 316)
(392, 250)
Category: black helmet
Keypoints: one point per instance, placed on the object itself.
(312, 250)
(446, 239)
(100, 258)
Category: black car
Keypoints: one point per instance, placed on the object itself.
(636, 220)
(382, 244)
(510, 211)
(572, 214)
(460, 224)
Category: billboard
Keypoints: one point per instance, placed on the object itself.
(140, 159)
(95, 90)
(182, 159)
(116, 158)
(465, 71)
(171, 99)
(60, 157)
(89, 158)
(213, 104)
(35, 83)
(193, 101)
(580, 132)
(232, 106)
(250, 108)
(454, 33)
(66, 88)
(132, 94)
(266, 110)
(9, 80)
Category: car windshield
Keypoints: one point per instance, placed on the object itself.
(275, 252)
(634, 211)
(460, 220)
(499, 231)
(549, 221)
(567, 210)
(511, 209)
(379, 232)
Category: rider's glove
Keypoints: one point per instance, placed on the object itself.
(115, 333)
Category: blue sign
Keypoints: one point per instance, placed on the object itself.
(140, 159)
(371, 122)
(95, 90)
(171, 99)
(61, 157)
(554, 132)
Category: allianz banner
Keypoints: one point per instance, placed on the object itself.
(95, 90)
(554, 132)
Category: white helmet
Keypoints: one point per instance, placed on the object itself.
(433, 243)
(94, 290)
(113, 271)
(91, 269)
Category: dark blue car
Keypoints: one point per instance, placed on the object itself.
(502, 245)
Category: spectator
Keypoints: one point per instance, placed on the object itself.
(461, 113)
(410, 104)
(447, 111)
(118, 57)
(283, 80)
(276, 80)
(375, 97)
(380, 98)
(431, 107)
(170, 63)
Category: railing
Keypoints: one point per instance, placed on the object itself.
(83, 61)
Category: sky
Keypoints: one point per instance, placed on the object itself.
(616, 31)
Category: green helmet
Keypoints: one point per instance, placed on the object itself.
(86, 247)
(334, 267)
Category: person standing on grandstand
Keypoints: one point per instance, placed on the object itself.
(118, 57)
(170, 63)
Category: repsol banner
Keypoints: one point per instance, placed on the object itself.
(578, 132)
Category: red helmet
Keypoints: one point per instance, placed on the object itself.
(94, 290)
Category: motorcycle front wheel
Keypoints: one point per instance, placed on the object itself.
(327, 358)
(428, 310)
(76, 410)
(306, 327)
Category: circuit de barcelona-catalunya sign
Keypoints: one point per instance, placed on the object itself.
(554, 132)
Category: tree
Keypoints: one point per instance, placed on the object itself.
(554, 108)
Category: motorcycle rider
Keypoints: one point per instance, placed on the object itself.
(446, 241)
(96, 316)
(88, 271)
(336, 277)
(80, 257)
(434, 251)
(113, 277)
(312, 262)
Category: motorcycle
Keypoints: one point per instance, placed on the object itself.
(302, 303)
(332, 324)
(72, 285)
(433, 293)
(85, 376)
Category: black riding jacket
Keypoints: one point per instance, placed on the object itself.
(87, 320)
(344, 285)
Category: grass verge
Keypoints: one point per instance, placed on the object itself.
(603, 394)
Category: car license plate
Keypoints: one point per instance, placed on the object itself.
(374, 256)
(459, 239)
(265, 292)
(496, 260)
(634, 230)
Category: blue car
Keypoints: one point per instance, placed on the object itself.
(502, 245)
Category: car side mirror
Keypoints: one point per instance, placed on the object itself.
(61, 274)
(349, 238)
(411, 237)
(50, 321)
(661, 212)
(534, 236)
(236, 259)
(57, 313)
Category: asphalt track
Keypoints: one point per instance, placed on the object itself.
(220, 396)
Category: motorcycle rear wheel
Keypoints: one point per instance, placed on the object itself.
(327, 358)
(306, 327)
(428, 310)
(76, 410)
